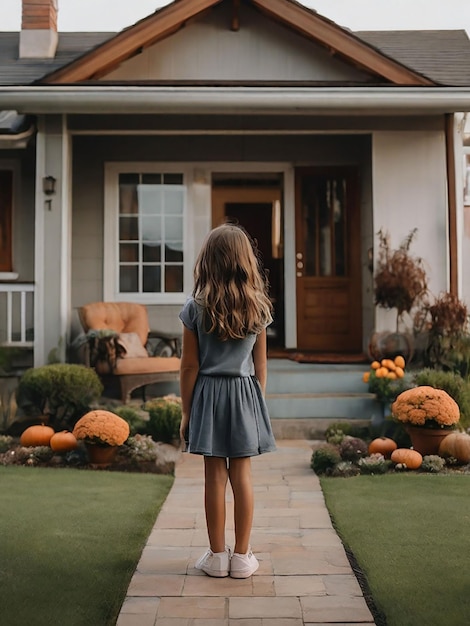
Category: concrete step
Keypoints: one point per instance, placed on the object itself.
(297, 378)
(362, 406)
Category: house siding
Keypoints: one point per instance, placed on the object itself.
(409, 191)
(260, 50)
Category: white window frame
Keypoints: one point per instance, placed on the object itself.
(111, 291)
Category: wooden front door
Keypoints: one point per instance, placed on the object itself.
(328, 260)
(259, 211)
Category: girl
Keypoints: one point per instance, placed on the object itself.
(223, 380)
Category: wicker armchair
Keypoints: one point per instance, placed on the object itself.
(117, 334)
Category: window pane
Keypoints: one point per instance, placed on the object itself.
(174, 251)
(128, 228)
(128, 279)
(339, 216)
(152, 252)
(174, 201)
(152, 279)
(173, 179)
(6, 210)
(150, 200)
(151, 229)
(128, 179)
(129, 252)
(173, 278)
(151, 179)
(173, 228)
(128, 199)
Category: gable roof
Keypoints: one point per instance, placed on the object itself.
(98, 62)
(15, 71)
(442, 55)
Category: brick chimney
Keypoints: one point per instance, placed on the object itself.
(38, 36)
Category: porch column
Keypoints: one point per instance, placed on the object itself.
(52, 241)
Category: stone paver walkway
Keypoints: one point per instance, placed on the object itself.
(304, 577)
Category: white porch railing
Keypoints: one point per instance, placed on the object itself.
(17, 315)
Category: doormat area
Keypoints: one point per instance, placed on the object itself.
(315, 357)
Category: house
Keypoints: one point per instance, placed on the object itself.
(118, 152)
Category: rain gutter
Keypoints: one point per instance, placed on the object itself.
(242, 100)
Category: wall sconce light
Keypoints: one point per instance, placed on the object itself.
(48, 187)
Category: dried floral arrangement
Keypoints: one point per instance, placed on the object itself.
(400, 278)
(446, 322)
(102, 428)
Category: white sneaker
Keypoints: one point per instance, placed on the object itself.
(215, 564)
(243, 565)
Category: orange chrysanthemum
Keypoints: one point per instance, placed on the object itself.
(102, 427)
(424, 404)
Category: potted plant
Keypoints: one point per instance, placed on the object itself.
(103, 432)
(428, 414)
(400, 282)
(387, 379)
(447, 345)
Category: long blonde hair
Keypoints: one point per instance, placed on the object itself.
(229, 283)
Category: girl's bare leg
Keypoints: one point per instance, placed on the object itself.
(240, 478)
(216, 475)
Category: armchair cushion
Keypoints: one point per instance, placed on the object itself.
(129, 346)
(122, 317)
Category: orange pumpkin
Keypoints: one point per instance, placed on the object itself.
(63, 441)
(382, 445)
(456, 445)
(411, 458)
(400, 362)
(38, 435)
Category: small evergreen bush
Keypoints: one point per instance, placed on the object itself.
(325, 458)
(61, 391)
(335, 432)
(137, 423)
(164, 418)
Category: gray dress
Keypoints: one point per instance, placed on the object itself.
(229, 417)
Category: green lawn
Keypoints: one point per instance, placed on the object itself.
(69, 542)
(410, 534)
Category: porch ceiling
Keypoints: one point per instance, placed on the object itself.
(237, 100)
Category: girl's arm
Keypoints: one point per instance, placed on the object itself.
(188, 375)
(260, 359)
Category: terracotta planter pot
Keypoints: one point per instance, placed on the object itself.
(101, 456)
(426, 440)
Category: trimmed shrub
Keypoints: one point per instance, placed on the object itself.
(137, 423)
(62, 392)
(164, 418)
(324, 459)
